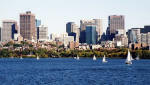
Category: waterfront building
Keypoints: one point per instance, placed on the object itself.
(134, 35)
(42, 33)
(64, 38)
(27, 26)
(108, 44)
(148, 38)
(73, 45)
(53, 36)
(91, 34)
(121, 40)
(84, 23)
(67, 39)
(8, 30)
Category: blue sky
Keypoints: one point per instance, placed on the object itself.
(56, 13)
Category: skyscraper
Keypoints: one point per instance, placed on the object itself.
(28, 26)
(73, 30)
(99, 28)
(8, 30)
(91, 35)
(115, 22)
(84, 23)
(37, 22)
(134, 35)
(42, 33)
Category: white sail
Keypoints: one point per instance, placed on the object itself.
(129, 58)
(37, 57)
(94, 58)
(78, 57)
(104, 59)
(137, 58)
(21, 57)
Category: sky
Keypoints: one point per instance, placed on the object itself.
(56, 13)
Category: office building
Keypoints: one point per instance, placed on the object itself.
(143, 38)
(134, 35)
(84, 23)
(121, 40)
(73, 30)
(115, 22)
(99, 28)
(8, 30)
(148, 38)
(91, 35)
(42, 33)
(27, 26)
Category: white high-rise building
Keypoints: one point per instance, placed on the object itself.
(42, 33)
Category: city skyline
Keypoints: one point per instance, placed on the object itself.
(55, 14)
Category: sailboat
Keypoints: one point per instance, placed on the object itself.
(21, 57)
(77, 57)
(37, 57)
(137, 58)
(129, 58)
(94, 58)
(104, 59)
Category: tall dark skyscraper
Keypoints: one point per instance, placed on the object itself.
(69, 27)
(91, 34)
(28, 26)
(115, 22)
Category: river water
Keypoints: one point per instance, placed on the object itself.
(68, 71)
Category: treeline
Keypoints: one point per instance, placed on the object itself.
(114, 53)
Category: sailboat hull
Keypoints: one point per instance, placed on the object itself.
(128, 62)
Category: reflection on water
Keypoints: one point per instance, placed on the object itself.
(65, 71)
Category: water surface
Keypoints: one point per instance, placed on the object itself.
(68, 71)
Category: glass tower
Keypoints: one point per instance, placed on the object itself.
(91, 34)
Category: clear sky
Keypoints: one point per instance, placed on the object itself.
(56, 13)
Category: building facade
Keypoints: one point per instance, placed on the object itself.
(73, 30)
(27, 26)
(143, 38)
(42, 33)
(84, 23)
(91, 34)
(115, 22)
(134, 35)
(8, 30)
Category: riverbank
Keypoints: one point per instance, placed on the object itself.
(44, 53)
